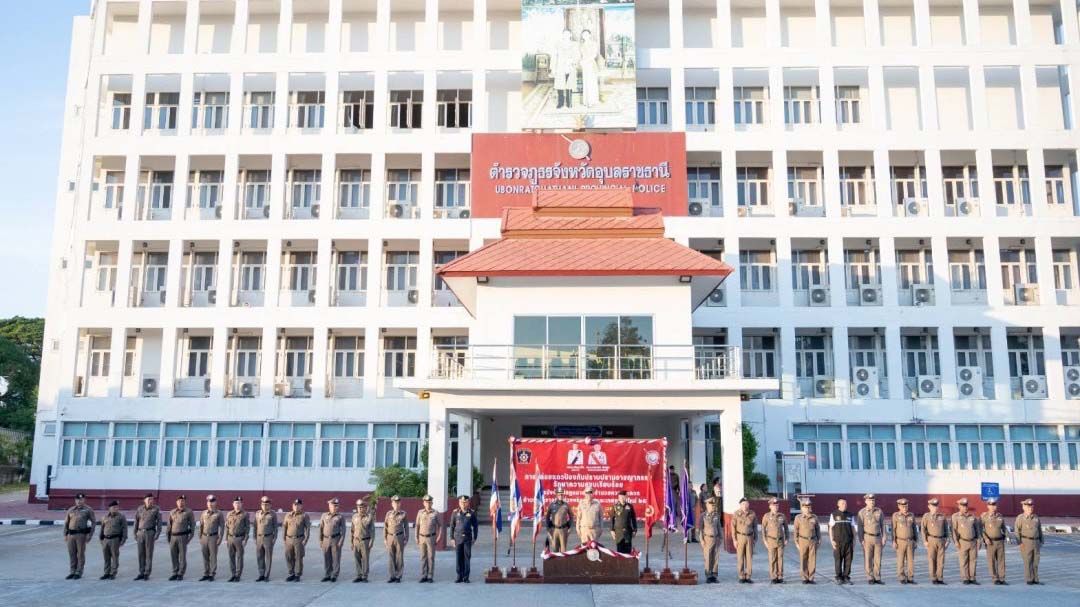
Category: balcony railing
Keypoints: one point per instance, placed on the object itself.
(587, 362)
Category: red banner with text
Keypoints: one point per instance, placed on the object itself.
(606, 465)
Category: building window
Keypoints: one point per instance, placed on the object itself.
(135, 444)
(354, 189)
(252, 268)
(980, 447)
(848, 105)
(821, 443)
(187, 445)
(160, 185)
(809, 269)
(454, 108)
(1011, 185)
(121, 111)
(83, 443)
(753, 186)
(960, 183)
(615, 347)
(255, 186)
(1035, 447)
(1026, 357)
(343, 445)
(304, 188)
(926, 447)
(1072, 444)
(405, 109)
(298, 357)
(399, 356)
(100, 355)
(401, 270)
(908, 183)
(352, 271)
(804, 185)
(967, 270)
(800, 105)
(309, 109)
(239, 445)
(1064, 269)
(1018, 268)
(260, 109)
(974, 351)
(813, 361)
(402, 189)
(348, 357)
(863, 269)
(205, 189)
(397, 445)
(757, 271)
(750, 105)
(1057, 186)
(704, 188)
(358, 109)
(914, 267)
(701, 106)
(652, 106)
(451, 192)
(210, 111)
(198, 357)
(292, 445)
(759, 356)
(856, 186)
(872, 447)
(161, 111)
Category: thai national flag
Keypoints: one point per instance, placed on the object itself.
(495, 508)
(538, 503)
(515, 505)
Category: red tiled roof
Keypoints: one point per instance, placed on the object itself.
(583, 199)
(521, 222)
(585, 257)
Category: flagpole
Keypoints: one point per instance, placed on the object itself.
(648, 535)
(535, 523)
(667, 549)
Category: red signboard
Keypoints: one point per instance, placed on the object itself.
(508, 167)
(606, 465)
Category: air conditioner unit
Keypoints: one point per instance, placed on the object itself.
(247, 389)
(922, 294)
(869, 296)
(149, 386)
(866, 382)
(1026, 295)
(716, 298)
(217, 212)
(315, 210)
(281, 389)
(819, 296)
(1033, 386)
(414, 296)
(80, 386)
(966, 207)
(211, 296)
(845, 211)
(969, 382)
(464, 214)
(695, 208)
(266, 212)
(396, 210)
(929, 386)
(793, 207)
(307, 386)
(914, 207)
(823, 386)
(161, 296)
(1072, 382)
(311, 296)
(743, 212)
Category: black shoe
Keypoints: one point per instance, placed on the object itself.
(749, 581)
(465, 581)
(975, 583)
(266, 579)
(78, 576)
(325, 579)
(290, 578)
(364, 580)
(779, 580)
(912, 582)
(139, 577)
(811, 582)
(70, 576)
(333, 579)
(210, 579)
(260, 578)
(104, 577)
(204, 578)
(357, 580)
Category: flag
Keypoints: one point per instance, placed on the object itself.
(687, 503)
(669, 503)
(495, 507)
(652, 506)
(538, 503)
(515, 506)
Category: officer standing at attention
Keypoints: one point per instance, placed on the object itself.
(993, 536)
(464, 530)
(266, 528)
(872, 521)
(211, 533)
(935, 532)
(78, 525)
(623, 524)
(905, 536)
(967, 534)
(558, 520)
(114, 534)
(362, 536)
(178, 533)
(842, 535)
(296, 529)
(428, 532)
(237, 530)
(711, 527)
(331, 538)
(395, 536)
(147, 530)
(775, 532)
(1030, 537)
(590, 521)
(807, 539)
(744, 523)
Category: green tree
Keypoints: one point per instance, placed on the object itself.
(755, 483)
(401, 481)
(28, 333)
(20, 372)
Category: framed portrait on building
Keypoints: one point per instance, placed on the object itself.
(578, 67)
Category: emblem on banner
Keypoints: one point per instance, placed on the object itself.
(524, 456)
(593, 555)
(652, 457)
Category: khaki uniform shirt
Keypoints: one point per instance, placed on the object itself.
(296, 526)
(559, 515)
(590, 516)
(966, 527)
(266, 524)
(1029, 527)
(79, 519)
(806, 527)
(148, 519)
(712, 524)
(332, 527)
(904, 526)
(181, 522)
(934, 526)
(396, 524)
(871, 523)
(237, 524)
(428, 524)
(363, 526)
(993, 526)
(213, 525)
(114, 526)
(774, 527)
(744, 524)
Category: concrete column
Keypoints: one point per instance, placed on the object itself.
(167, 383)
(272, 282)
(324, 276)
(267, 369)
(841, 363)
(947, 354)
(827, 100)
(977, 80)
(235, 124)
(382, 31)
(778, 182)
(132, 166)
(999, 347)
(278, 175)
(181, 166)
(172, 273)
(225, 279)
(731, 455)
(142, 26)
(772, 26)
(117, 345)
(1022, 19)
(722, 35)
(872, 23)
(889, 285)
(934, 187)
(786, 341)
(775, 120)
(424, 276)
(984, 165)
(123, 273)
(191, 27)
(783, 271)
(928, 98)
(218, 371)
(922, 23)
(994, 289)
(1044, 270)
(971, 21)
(465, 460)
(1069, 23)
(678, 98)
(332, 89)
(1029, 101)
(319, 364)
(285, 26)
(831, 173)
(328, 189)
(1036, 163)
(834, 251)
(481, 40)
(823, 23)
(939, 250)
(698, 453)
(882, 178)
(429, 114)
(729, 177)
(281, 103)
(1055, 375)
(879, 110)
(240, 26)
(426, 195)
(732, 291)
(725, 119)
(438, 429)
(480, 101)
(333, 30)
(895, 363)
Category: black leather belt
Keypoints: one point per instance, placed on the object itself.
(1029, 538)
(803, 537)
(940, 537)
(214, 534)
(746, 534)
(871, 534)
(111, 537)
(182, 533)
(427, 535)
(994, 539)
(79, 531)
(336, 535)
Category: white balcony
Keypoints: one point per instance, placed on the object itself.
(347, 387)
(192, 387)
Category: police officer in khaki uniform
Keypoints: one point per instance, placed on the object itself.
(623, 524)
(711, 530)
(331, 538)
(266, 529)
(967, 534)
(114, 534)
(395, 536)
(744, 523)
(590, 520)
(428, 533)
(775, 536)
(296, 529)
(362, 536)
(993, 537)
(558, 521)
(934, 529)
(180, 529)
(1030, 537)
(237, 530)
(872, 537)
(211, 534)
(147, 530)
(807, 540)
(905, 536)
(78, 525)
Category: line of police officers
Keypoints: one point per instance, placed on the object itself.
(867, 527)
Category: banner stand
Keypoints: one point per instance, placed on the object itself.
(533, 575)
(495, 574)
(513, 574)
(648, 576)
(667, 576)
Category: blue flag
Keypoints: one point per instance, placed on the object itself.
(669, 504)
(687, 503)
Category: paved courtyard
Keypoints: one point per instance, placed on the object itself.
(33, 563)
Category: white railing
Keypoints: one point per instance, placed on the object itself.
(588, 362)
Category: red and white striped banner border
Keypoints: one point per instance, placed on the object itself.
(590, 545)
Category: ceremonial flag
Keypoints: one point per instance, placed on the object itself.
(538, 503)
(495, 507)
(669, 504)
(687, 503)
(515, 506)
(652, 507)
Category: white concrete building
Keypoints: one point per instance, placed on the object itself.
(255, 194)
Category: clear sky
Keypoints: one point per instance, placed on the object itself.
(35, 37)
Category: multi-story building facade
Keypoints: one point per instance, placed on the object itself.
(255, 197)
